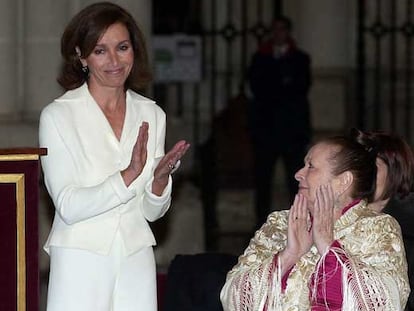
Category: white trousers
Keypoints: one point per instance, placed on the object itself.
(84, 281)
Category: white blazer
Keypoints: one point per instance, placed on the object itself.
(82, 173)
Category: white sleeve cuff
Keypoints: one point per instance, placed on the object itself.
(122, 191)
(165, 195)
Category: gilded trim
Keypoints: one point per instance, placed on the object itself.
(18, 179)
(19, 157)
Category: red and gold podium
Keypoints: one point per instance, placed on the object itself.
(19, 235)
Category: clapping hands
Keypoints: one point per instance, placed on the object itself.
(311, 224)
(323, 218)
(167, 164)
(164, 167)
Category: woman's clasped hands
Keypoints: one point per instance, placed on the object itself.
(309, 223)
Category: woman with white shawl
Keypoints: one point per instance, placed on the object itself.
(329, 251)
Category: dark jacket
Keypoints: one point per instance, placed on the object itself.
(403, 211)
(279, 111)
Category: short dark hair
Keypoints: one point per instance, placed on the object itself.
(84, 31)
(399, 158)
(355, 153)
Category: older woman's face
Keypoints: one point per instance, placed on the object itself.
(316, 171)
(382, 174)
(112, 58)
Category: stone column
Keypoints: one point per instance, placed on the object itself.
(8, 59)
(326, 29)
(43, 24)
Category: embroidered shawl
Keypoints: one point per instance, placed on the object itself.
(374, 276)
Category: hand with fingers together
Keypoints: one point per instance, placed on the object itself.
(299, 239)
(323, 218)
(139, 156)
(167, 164)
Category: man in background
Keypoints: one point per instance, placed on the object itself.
(279, 77)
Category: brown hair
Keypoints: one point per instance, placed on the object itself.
(356, 154)
(84, 31)
(399, 158)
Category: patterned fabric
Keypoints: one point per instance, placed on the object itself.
(374, 274)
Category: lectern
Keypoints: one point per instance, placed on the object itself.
(19, 235)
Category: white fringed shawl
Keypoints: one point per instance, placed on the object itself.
(374, 276)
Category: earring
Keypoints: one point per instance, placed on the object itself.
(85, 71)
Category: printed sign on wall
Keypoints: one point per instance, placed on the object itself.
(177, 58)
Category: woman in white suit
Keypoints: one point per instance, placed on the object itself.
(106, 170)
